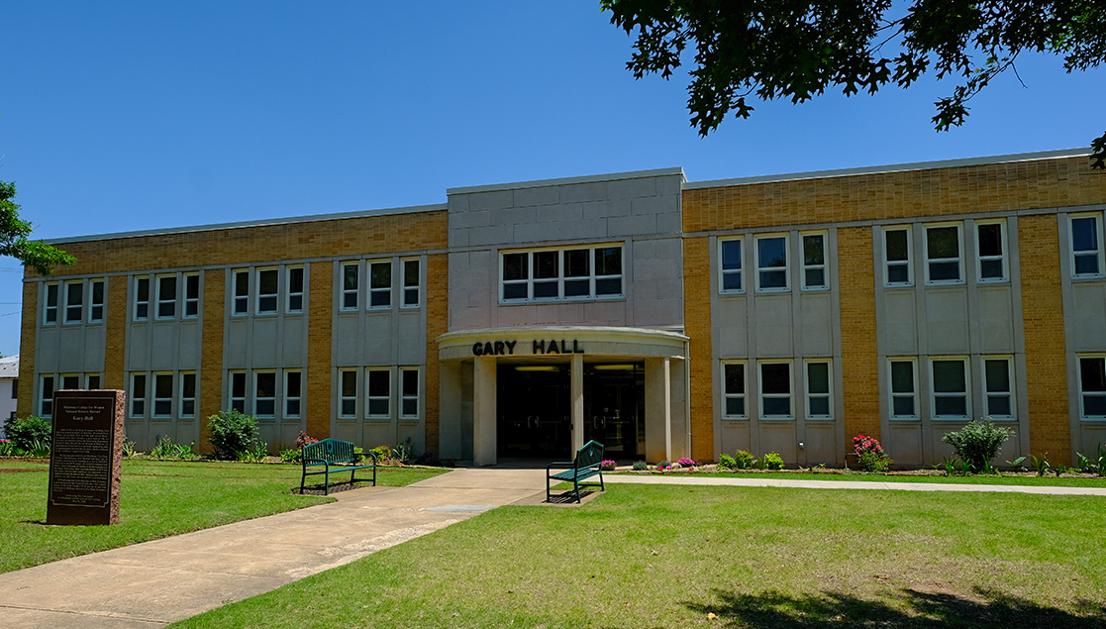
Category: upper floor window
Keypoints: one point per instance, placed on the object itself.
(96, 301)
(991, 250)
(896, 257)
(551, 274)
(166, 296)
(350, 285)
(904, 386)
(1092, 387)
(268, 288)
(191, 295)
(295, 289)
(1086, 245)
(819, 401)
(380, 284)
(141, 298)
(50, 304)
(240, 299)
(772, 263)
(730, 257)
(733, 390)
(74, 302)
(775, 390)
(998, 387)
(943, 254)
(411, 280)
(949, 383)
(814, 261)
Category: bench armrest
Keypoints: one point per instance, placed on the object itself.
(560, 464)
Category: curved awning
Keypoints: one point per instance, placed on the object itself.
(562, 341)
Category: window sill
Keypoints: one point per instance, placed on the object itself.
(1093, 420)
(560, 300)
(1088, 278)
(816, 289)
(735, 419)
(821, 420)
(780, 419)
(944, 284)
(950, 420)
(732, 293)
(898, 286)
(992, 282)
(773, 291)
(904, 420)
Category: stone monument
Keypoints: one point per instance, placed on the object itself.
(85, 457)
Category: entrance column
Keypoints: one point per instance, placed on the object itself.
(658, 409)
(576, 390)
(483, 411)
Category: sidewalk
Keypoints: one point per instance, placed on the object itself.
(162, 581)
(677, 479)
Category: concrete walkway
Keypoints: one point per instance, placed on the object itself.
(161, 581)
(678, 479)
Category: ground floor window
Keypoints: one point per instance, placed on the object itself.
(998, 387)
(138, 395)
(1092, 387)
(46, 397)
(347, 393)
(949, 388)
(775, 390)
(819, 400)
(380, 393)
(904, 386)
(409, 393)
(733, 390)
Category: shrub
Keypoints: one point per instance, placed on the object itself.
(978, 442)
(772, 461)
(870, 454)
(402, 453)
(38, 449)
(640, 466)
(1041, 464)
(727, 462)
(664, 465)
(6, 448)
(26, 432)
(686, 461)
(607, 465)
(166, 448)
(291, 455)
(744, 459)
(304, 439)
(233, 434)
(256, 453)
(129, 448)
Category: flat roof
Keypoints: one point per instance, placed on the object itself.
(564, 181)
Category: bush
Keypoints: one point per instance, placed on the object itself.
(167, 449)
(978, 442)
(256, 453)
(686, 462)
(607, 465)
(291, 455)
(6, 448)
(640, 466)
(304, 439)
(744, 459)
(28, 433)
(727, 462)
(664, 465)
(870, 454)
(772, 461)
(233, 434)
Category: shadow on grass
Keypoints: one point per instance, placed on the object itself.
(921, 609)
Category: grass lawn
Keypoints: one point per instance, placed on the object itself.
(987, 479)
(651, 556)
(157, 499)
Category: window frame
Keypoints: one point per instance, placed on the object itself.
(1098, 252)
(289, 293)
(933, 394)
(824, 266)
(47, 309)
(132, 398)
(159, 300)
(69, 374)
(182, 398)
(405, 287)
(194, 302)
(43, 399)
(892, 394)
(404, 396)
(959, 227)
(1003, 258)
(65, 320)
(286, 397)
(137, 302)
(93, 305)
(786, 264)
(1079, 358)
(908, 263)
(593, 277)
(88, 384)
(240, 400)
(154, 414)
(831, 414)
(727, 395)
(257, 398)
(341, 395)
(761, 395)
(236, 297)
(739, 271)
(1010, 379)
(369, 397)
(258, 295)
(373, 291)
(343, 291)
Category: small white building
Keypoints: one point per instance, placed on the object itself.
(9, 388)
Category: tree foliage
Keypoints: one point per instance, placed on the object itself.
(14, 240)
(783, 49)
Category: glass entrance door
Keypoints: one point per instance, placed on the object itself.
(614, 407)
(532, 408)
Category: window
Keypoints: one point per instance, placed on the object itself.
(943, 254)
(950, 388)
(991, 251)
(772, 263)
(814, 261)
(350, 285)
(238, 391)
(74, 302)
(264, 394)
(293, 393)
(241, 300)
(70, 381)
(998, 396)
(163, 394)
(96, 301)
(896, 255)
(138, 394)
(552, 274)
(733, 391)
(347, 393)
(188, 394)
(46, 397)
(379, 392)
(730, 256)
(1086, 247)
(15, 388)
(294, 303)
(1092, 387)
(141, 298)
(410, 283)
(775, 390)
(191, 295)
(92, 381)
(50, 312)
(268, 288)
(904, 400)
(380, 284)
(166, 296)
(409, 393)
(819, 402)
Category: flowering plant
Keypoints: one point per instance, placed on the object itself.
(870, 454)
(686, 462)
(607, 465)
(304, 439)
(863, 443)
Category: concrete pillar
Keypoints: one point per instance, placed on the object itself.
(658, 409)
(449, 410)
(483, 412)
(576, 390)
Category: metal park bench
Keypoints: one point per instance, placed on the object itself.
(334, 456)
(583, 466)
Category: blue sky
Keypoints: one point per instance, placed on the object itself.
(123, 116)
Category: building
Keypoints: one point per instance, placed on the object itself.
(9, 389)
(662, 317)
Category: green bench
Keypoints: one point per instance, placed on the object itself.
(334, 456)
(583, 466)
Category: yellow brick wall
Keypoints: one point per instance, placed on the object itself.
(320, 322)
(859, 355)
(25, 403)
(116, 322)
(437, 323)
(211, 351)
(697, 326)
(1043, 320)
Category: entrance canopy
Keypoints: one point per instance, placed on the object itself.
(561, 341)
